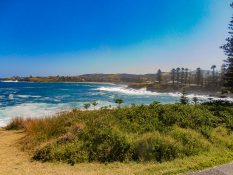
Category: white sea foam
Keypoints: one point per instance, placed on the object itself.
(206, 97)
(28, 96)
(31, 110)
(128, 91)
(10, 81)
(144, 92)
(37, 110)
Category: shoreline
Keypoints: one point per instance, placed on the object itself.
(188, 91)
(199, 92)
(86, 82)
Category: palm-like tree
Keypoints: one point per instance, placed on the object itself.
(198, 76)
(178, 75)
(173, 75)
(186, 75)
(94, 103)
(119, 101)
(87, 105)
(195, 100)
(182, 75)
(213, 67)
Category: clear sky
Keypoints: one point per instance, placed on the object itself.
(71, 37)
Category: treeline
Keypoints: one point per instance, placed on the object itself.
(199, 77)
(178, 76)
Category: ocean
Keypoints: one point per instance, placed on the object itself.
(27, 99)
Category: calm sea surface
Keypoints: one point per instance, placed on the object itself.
(43, 99)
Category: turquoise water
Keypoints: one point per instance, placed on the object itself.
(26, 99)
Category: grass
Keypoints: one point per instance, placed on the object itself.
(165, 139)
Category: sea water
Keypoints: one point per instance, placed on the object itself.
(26, 99)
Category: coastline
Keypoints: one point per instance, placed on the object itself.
(208, 94)
(148, 87)
(83, 82)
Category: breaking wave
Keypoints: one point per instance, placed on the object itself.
(30, 110)
(144, 92)
(38, 110)
(128, 91)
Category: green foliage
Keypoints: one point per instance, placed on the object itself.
(228, 74)
(152, 132)
(157, 147)
(94, 103)
(106, 144)
(70, 153)
(183, 99)
(87, 105)
(192, 141)
(195, 100)
(119, 101)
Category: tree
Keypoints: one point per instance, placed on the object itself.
(186, 76)
(195, 100)
(159, 76)
(178, 75)
(94, 103)
(198, 76)
(184, 99)
(173, 76)
(87, 105)
(213, 67)
(119, 101)
(182, 76)
(228, 50)
(223, 71)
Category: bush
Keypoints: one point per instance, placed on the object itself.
(152, 132)
(106, 144)
(193, 142)
(222, 136)
(70, 153)
(157, 147)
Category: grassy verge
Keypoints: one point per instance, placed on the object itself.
(164, 139)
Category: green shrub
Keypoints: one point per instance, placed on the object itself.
(157, 147)
(222, 136)
(70, 153)
(106, 144)
(193, 142)
(152, 132)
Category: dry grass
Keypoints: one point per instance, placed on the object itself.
(15, 162)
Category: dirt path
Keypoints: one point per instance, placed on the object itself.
(15, 162)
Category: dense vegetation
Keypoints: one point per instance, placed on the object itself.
(142, 133)
(228, 49)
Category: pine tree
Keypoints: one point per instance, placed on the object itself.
(182, 76)
(173, 75)
(184, 99)
(228, 50)
(178, 75)
(199, 76)
(159, 76)
(186, 75)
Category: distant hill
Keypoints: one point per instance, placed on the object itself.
(114, 78)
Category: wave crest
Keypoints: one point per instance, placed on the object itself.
(143, 91)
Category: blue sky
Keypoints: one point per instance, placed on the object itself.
(48, 37)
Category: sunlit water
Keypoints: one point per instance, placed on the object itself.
(45, 99)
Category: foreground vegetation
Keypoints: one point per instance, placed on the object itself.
(178, 134)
